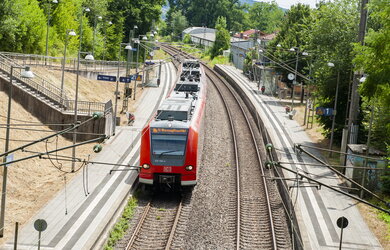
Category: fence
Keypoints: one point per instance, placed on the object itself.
(48, 90)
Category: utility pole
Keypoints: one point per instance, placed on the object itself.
(355, 99)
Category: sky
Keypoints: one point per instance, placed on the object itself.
(287, 3)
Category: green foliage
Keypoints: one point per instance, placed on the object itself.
(385, 178)
(265, 16)
(292, 34)
(187, 38)
(222, 38)
(178, 24)
(206, 12)
(327, 34)
(121, 226)
(374, 56)
(23, 25)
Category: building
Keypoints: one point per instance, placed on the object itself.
(201, 35)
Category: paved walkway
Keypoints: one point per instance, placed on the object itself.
(84, 224)
(317, 210)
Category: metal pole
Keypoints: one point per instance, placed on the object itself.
(136, 74)
(341, 235)
(129, 54)
(63, 67)
(77, 92)
(295, 79)
(116, 90)
(39, 240)
(16, 235)
(367, 152)
(47, 33)
(334, 112)
(5, 168)
(159, 74)
(94, 31)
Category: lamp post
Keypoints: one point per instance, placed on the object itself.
(47, 29)
(128, 47)
(130, 52)
(105, 38)
(294, 49)
(69, 32)
(144, 37)
(330, 64)
(26, 74)
(94, 33)
(77, 84)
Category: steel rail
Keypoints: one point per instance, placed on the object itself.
(174, 226)
(138, 228)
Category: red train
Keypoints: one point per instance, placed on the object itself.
(169, 143)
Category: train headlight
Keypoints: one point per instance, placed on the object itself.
(189, 168)
(146, 166)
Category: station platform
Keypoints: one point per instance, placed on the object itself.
(317, 210)
(77, 217)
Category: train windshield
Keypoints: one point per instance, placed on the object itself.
(168, 144)
(168, 149)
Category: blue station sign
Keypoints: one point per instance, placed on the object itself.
(136, 77)
(324, 111)
(106, 78)
(125, 79)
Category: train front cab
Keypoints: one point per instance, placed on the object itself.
(169, 157)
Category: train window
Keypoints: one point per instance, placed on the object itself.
(168, 145)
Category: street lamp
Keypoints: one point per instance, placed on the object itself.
(26, 74)
(128, 47)
(137, 41)
(94, 32)
(294, 49)
(77, 84)
(47, 29)
(330, 64)
(105, 38)
(130, 52)
(297, 50)
(69, 32)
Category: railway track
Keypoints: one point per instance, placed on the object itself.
(156, 224)
(255, 224)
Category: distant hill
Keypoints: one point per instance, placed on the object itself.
(250, 2)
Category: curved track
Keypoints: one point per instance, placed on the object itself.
(255, 221)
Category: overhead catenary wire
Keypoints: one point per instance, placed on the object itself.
(74, 126)
(51, 131)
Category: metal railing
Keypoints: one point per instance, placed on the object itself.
(84, 107)
(46, 89)
(70, 64)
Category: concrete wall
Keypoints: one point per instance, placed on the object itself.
(48, 114)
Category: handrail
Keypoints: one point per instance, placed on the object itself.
(70, 64)
(47, 89)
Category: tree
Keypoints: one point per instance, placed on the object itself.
(178, 24)
(266, 17)
(222, 38)
(293, 27)
(374, 59)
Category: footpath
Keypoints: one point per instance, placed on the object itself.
(317, 208)
(81, 214)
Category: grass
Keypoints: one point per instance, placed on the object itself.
(122, 225)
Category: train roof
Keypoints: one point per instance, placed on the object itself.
(169, 124)
(175, 109)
